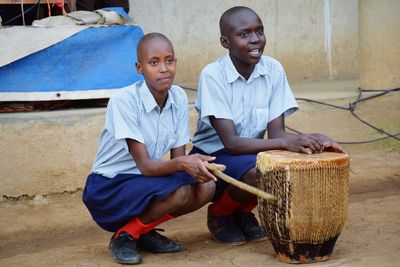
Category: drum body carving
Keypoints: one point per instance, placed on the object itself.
(312, 190)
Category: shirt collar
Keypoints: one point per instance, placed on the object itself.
(232, 74)
(148, 99)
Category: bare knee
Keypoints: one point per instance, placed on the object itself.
(205, 192)
(181, 195)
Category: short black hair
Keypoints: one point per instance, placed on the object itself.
(225, 18)
(149, 37)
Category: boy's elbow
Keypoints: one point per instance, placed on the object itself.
(234, 151)
(231, 147)
(235, 146)
(146, 171)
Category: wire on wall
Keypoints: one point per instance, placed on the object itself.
(351, 107)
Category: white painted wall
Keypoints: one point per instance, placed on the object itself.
(379, 37)
(313, 39)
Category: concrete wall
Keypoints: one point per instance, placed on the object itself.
(379, 44)
(47, 152)
(313, 39)
(43, 153)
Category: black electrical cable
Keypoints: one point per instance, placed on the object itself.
(373, 127)
(351, 142)
(379, 90)
(351, 108)
(353, 104)
(359, 99)
(321, 103)
(383, 92)
(38, 10)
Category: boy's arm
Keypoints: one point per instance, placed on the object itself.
(192, 164)
(235, 144)
(276, 129)
(177, 152)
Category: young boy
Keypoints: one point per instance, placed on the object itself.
(131, 189)
(240, 97)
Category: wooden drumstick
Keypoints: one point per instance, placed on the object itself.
(217, 170)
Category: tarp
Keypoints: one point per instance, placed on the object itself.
(88, 64)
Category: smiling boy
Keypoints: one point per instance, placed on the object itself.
(240, 97)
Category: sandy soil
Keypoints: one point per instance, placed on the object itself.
(57, 230)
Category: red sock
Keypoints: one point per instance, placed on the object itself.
(136, 227)
(225, 205)
(248, 206)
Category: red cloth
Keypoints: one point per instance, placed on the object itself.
(136, 227)
(225, 205)
(248, 206)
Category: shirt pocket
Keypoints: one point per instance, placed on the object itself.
(261, 116)
(170, 141)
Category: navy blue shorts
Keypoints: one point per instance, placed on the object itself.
(236, 166)
(114, 202)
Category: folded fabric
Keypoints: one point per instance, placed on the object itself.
(85, 17)
(108, 16)
(20, 41)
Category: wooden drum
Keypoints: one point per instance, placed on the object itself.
(312, 190)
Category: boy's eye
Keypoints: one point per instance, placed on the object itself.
(153, 63)
(260, 32)
(244, 34)
(170, 61)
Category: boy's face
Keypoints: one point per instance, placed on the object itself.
(244, 37)
(157, 63)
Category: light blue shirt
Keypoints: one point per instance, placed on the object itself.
(251, 104)
(133, 113)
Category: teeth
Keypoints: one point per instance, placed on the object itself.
(255, 52)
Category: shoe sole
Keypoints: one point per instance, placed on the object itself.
(257, 239)
(143, 248)
(160, 251)
(125, 262)
(236, 243)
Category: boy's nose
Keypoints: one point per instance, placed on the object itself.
(163, 67)
(254, 38)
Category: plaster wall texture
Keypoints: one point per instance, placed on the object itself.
(379, 37)
(43, 153)
(313, 39)
(47, 152)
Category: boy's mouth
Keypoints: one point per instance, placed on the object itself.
(165, 79)
(255, 52)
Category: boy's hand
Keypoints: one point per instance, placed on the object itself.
(312, 143)
(329, 144)
(304, 143)
(194, 165)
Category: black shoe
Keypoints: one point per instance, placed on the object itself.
(157, 243)
(249, 225)
(123, 249)
(225, 229)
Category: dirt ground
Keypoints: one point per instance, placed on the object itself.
(57, 230)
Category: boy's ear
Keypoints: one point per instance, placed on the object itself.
(138, 67)
(224, 42)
